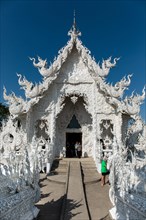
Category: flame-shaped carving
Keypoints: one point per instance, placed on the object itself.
(31, 90)
(132, 104)
(117, 90)
(16, 103)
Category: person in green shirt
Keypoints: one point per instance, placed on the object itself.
(104, 170)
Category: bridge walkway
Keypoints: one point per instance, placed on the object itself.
(73, 191)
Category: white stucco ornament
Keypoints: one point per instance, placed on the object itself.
(19, 179)
(74, 102)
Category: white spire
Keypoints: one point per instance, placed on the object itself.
(73, 32)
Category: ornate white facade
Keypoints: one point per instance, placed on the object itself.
(74, 85)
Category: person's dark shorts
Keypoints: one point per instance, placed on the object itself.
(104, 174)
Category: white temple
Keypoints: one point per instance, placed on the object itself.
(74, 102)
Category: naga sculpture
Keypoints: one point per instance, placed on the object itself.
(16, 104)
(31, 90)
(131, 104)
(42, 66)
(105, 67)
(118, 89)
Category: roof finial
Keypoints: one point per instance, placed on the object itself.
(73, 31)
(74, 21)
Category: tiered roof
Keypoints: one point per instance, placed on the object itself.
(98, 72)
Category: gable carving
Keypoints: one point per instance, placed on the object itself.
(74, 70)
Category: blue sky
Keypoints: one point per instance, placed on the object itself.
(109, 28)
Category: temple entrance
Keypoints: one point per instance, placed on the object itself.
(73, 124)
(71, 139)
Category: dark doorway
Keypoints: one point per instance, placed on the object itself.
(71, 139)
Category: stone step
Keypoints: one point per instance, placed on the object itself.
(63, 162)
(61, 169)
(59, 179)
(89, 160)
(63, 165)
(89, 180)
(90, 171)
(59, 172)
(59, 166)
(89, 168)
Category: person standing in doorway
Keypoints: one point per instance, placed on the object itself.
(76, 147)
(79, 150)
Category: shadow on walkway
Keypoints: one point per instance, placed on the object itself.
(53, 210)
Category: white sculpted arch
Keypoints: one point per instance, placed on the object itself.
(73, 96)
(84, 119)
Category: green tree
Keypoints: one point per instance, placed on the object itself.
(4, 112)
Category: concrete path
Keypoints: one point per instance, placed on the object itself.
(67, 202)
(75, 207)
